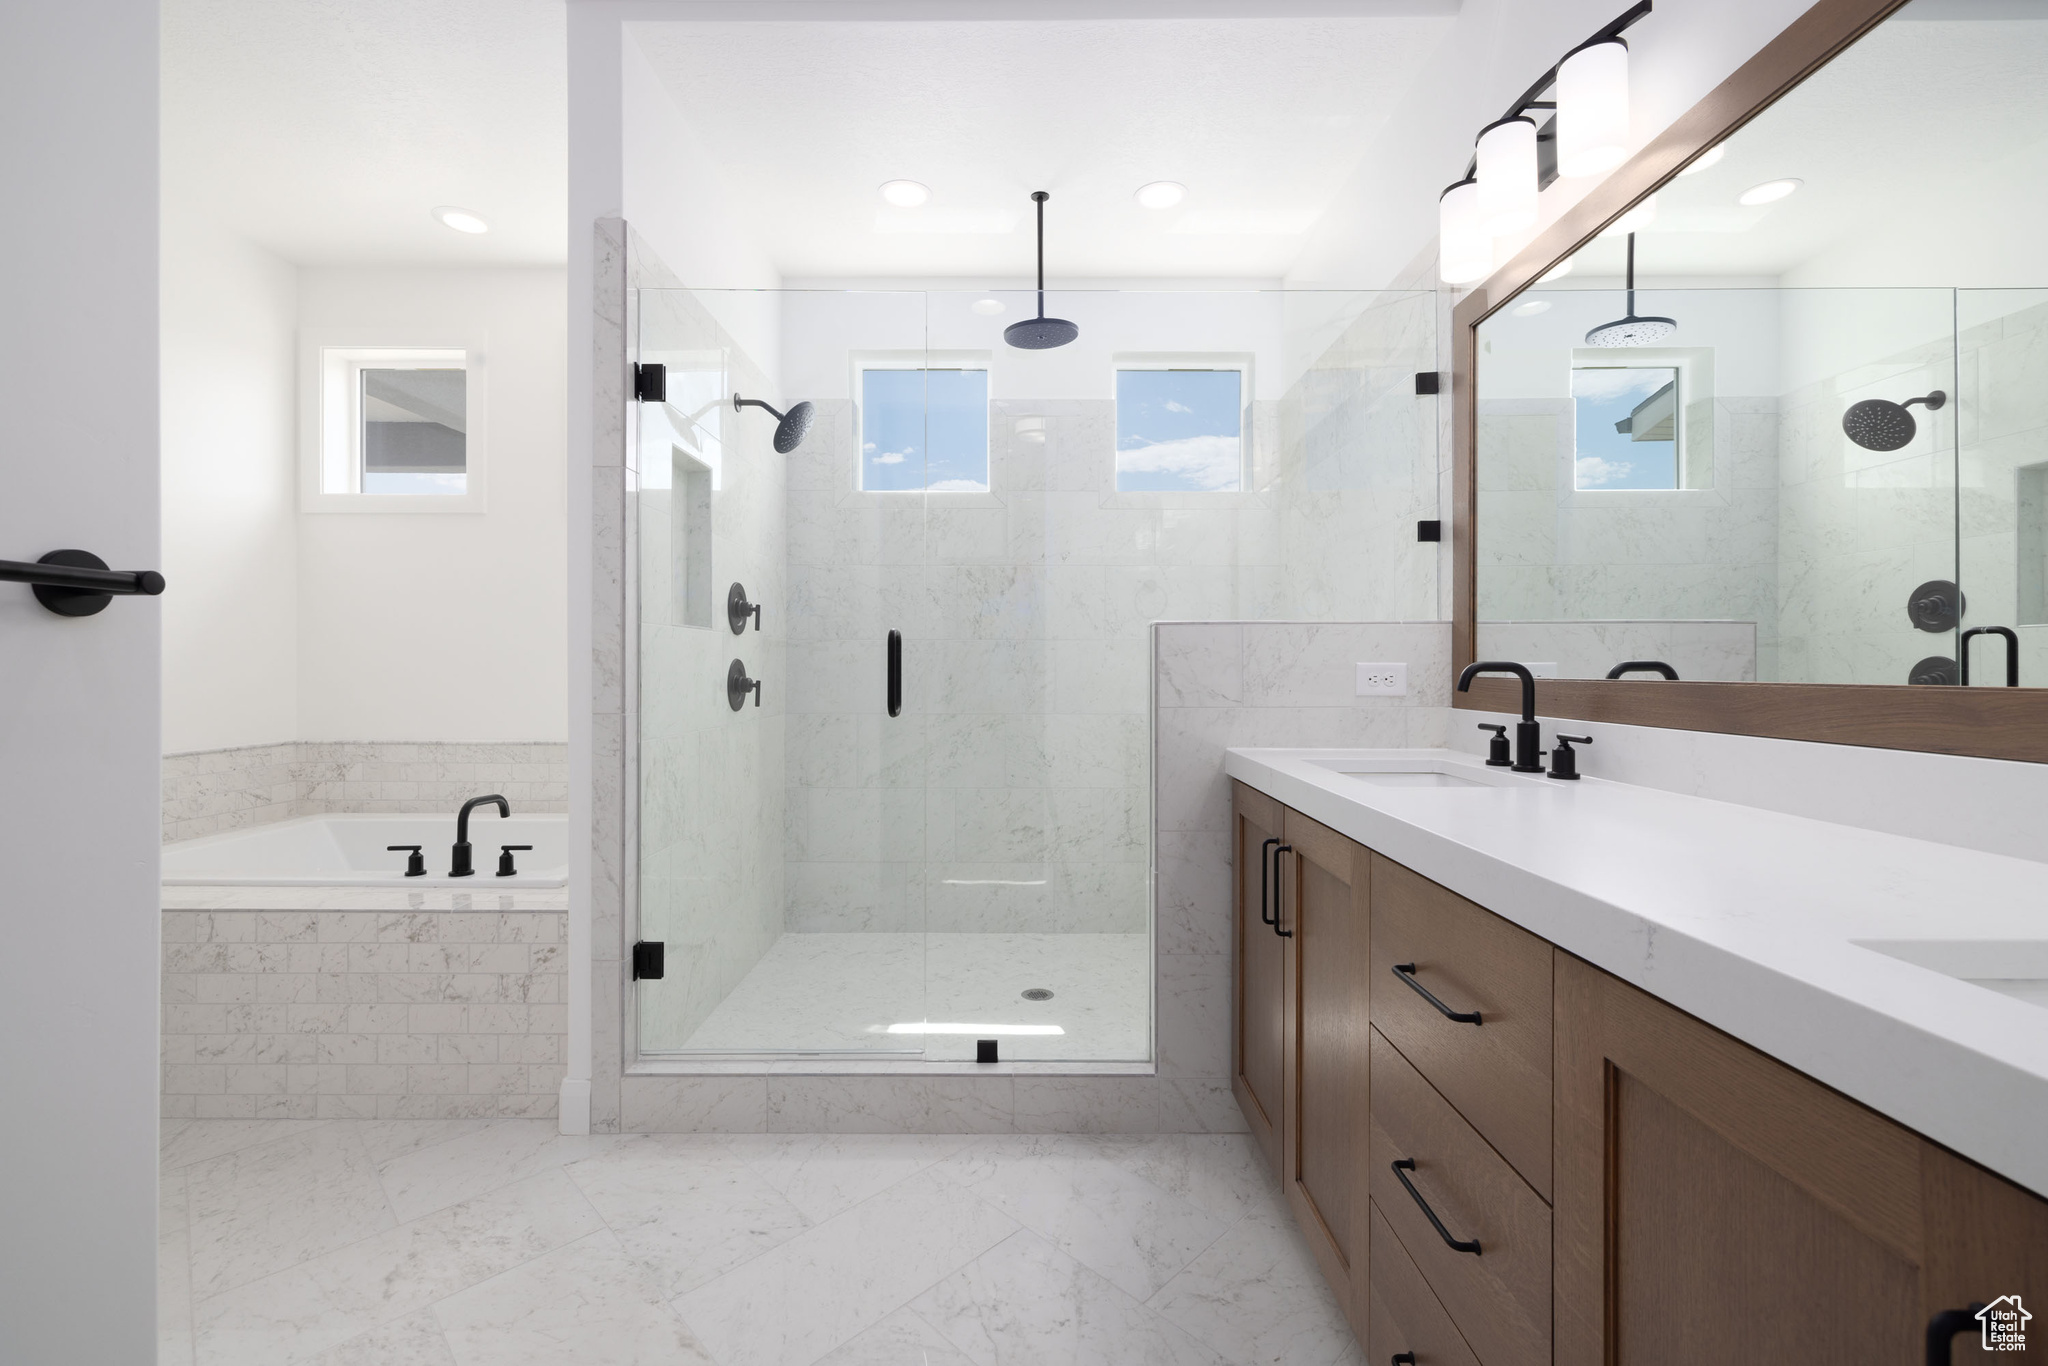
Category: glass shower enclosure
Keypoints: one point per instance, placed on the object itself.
(930, 824)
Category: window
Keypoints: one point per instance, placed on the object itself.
(923, 429)
(1626, 420)
(394, 429)
(1180, 429)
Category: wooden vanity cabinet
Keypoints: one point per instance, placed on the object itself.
(1643, 1188)
(1713, 1204)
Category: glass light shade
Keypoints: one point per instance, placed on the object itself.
(1464, 250)
(1507, 177)
(1592, 109)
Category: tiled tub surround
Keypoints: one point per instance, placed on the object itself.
(211, 791)
(438, 1012)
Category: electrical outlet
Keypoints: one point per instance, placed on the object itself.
(1383, 680)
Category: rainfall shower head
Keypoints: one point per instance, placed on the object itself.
(1040, 333)
(1631, 330)
(1878, 424)
(790, 427)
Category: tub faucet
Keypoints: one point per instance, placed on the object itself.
(459, 864)
(1528, 735)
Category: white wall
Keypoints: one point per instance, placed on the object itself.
(1386, 213)
(230, 493)
(446, 627)
(79, 728)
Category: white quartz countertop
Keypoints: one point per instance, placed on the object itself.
(1751, 920)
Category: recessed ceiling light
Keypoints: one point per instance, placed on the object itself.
(462, 220)
(905, 194)
(987, 308)
(1162, 194)
(1532, 308)
(1770, 192)
(1712, 158)
(1556, 272)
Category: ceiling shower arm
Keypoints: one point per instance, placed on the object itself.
(1038, 198)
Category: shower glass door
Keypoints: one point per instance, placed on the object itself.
(780, 841)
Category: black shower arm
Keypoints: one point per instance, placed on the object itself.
(739, 403)
(2012, 653)
(1038, 197)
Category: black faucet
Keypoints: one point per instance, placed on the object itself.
(1528, 735)
(458, 857)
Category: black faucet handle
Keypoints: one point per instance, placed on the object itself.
(505, 852)
(1564, 760)
(416, 865)
(1497, 730)
(1497, 747)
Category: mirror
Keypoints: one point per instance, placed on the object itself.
(1811, 444)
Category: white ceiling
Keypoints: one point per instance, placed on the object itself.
(1262, 120)
(327, 129)
(1918, 116)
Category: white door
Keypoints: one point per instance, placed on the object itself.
(79, 820)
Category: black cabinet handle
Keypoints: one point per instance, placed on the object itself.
(1402, 1166)
(1942, 1328)
(1275, 922)
(1265, 865)
(895, 673)
(1406, 972)
(1404, 1359)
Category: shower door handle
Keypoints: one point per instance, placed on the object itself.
(895, 673)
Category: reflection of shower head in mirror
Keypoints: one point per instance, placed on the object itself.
(790, 428)
(1878, 424)
(1631, 330)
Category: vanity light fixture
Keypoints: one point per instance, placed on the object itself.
(462, 220)
(1506, 158)
(905, 194)
(1770, 192)
(1162, 194)
(1465, 251)
(987, 308)
(1711, 157)
(1592, 108)
(1581, 129)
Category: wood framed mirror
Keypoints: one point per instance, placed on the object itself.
(1827, 479)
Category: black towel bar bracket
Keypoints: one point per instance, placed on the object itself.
(77, 583)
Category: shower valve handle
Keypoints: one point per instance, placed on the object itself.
(415, 866)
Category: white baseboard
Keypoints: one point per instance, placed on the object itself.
(573, 1107)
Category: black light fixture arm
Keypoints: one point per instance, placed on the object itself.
(77, 583)
(1532, 98)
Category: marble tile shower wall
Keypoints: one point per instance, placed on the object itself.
(211, 791)
(1858, 529)
(710, 778)
(362, 1014)
(1550, 552)
(2002, 404)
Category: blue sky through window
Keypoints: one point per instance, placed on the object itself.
(924, 429)
(1627, 427)
(1180, 430)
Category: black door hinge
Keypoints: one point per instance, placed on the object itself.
(1431, 530)
(1427, 381)
(648, 960)
(650, 383)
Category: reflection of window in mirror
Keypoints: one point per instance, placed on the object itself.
(1626, 420)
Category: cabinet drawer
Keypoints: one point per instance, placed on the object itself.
(1499, 1297)
(1496, 1071)
(1406, 1315)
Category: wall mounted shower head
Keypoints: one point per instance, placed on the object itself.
(1040, 333)
(1878, 424)
(1631, 330)
(790, 427)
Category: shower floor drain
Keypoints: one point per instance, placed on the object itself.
(1038, 994)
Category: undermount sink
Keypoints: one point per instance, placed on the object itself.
(2011, 967)
(1413, 773)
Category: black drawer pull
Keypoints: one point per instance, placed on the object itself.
(1404, 1359)
(1942, 1328)
(1404, 1165)
(1277, 852)
(1265, 870)
(1406, 972)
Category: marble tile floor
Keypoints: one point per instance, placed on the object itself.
(834, 992)
(504, 1243)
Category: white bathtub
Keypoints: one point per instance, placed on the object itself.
(349, 851)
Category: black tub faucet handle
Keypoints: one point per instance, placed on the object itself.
(415, 866)
(505, 852)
